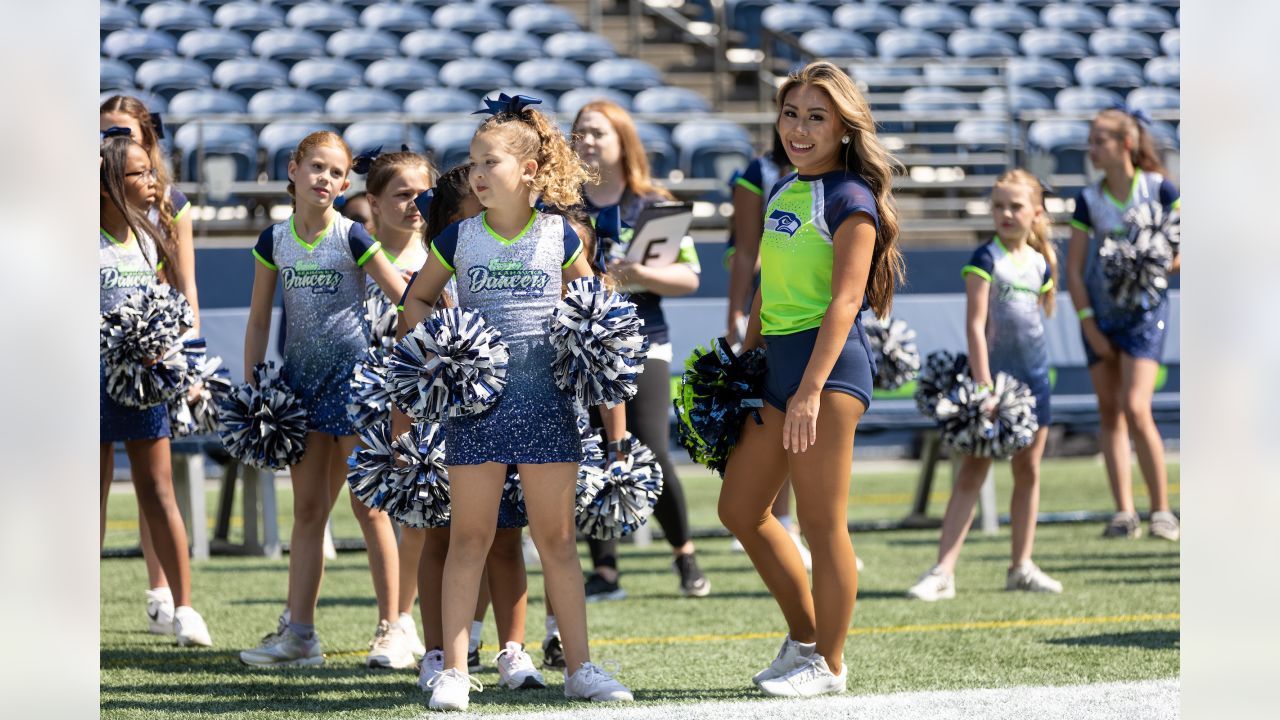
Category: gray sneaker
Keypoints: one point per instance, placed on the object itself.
(1164, 525)
(1123, 525)
(790, 656)
(285, 649)
(591, 682)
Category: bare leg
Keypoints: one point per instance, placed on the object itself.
(409, 554)
(153, 483)
(155, 573)
(1025, 503)
(106, 469)
(1114, 431)
(435, 549)
(1139, 381)
(548, 496)
(959, 515)
(475, 491)
(313, 496)
(508, 585)
(379, 536)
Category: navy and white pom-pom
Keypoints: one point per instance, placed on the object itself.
(897, 359)
(1137, 267)
(453, 364)
(420, 497)
(144, 385)
(513, 496)
(718, 390)
(969, 429)
(145, 326)
(380, 312)
(372, 468)
(598, 343)
(200, 416)
(941, 374)
(627, 497)
(368, 401)
(591, 469)
(263, 426)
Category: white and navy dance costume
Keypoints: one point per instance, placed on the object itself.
(515, 284)
(797, 253)
(124, 268)
(323, 290)
(1137, 333)
(1015, 322)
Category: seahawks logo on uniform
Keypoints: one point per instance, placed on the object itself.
(784, 222)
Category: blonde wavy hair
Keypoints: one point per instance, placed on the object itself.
(1041, 239)
(528, 135)
(866, 157)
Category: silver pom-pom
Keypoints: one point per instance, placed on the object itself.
(141, 349)
(969, 428)
(198, 414)
(513, 496)
(420, 495)
(380, 313)
(941, 373)
(897, 359)
(453, 364)
(1137, 267)
(591, 469)
(626, 500)
(372, 467)
(368, 401)
(263, 426)
(598, 343)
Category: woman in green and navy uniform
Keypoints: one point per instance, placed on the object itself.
(827, 253)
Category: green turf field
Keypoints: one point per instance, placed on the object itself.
(1117, 620)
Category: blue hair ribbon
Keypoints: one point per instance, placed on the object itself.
(158, 124)
(423, 203)
(507, 104)
(116, 131)
(365, 160)
(1134, 112)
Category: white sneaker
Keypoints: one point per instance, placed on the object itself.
(592, 683)
(160, 611)
(934, 585)
(285, 649)
(1029, 578)
(190, 628)
(451, 690)
(858, 561)
(805, 556)
(791, 655)
(736, 546)
(432, 665)
(1164, 525)
(810, 679)
(410, 629)
(516, 670)
(389, 648)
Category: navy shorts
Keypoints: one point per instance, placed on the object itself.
(1142, 339)
(787, 356)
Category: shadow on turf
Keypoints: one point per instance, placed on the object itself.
(1149, 639)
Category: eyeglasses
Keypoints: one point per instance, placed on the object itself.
(144, 174)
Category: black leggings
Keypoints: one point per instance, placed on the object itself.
(648, 420)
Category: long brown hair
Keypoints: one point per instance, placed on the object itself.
(316, 139)
(1041, 239)
(867, 158)
(150, 141)
(530, 136)
(115, 156)
(1123, 126)
(386, 166)
(635, 163)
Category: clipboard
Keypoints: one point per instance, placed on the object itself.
(659, 231)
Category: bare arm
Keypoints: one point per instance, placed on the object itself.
(1077, 248)
(388, 276)
(748, 208)
(423, 295)
(258, 330)
(673, 280)
(187, 265)
(975, 327)
(754, 338)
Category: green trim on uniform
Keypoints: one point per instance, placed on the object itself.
(264, 261)
(324, 233)
(484, 220)
(440, 257)
(178, 215)
(108, 236)
(373, 250)
(1080, 226)
(1137, 176)
(1047, 286)
(575, 255)
(976, 271)
(1176, 204)
(745, 183)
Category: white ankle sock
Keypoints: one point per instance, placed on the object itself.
(553, 628)
(476, 628)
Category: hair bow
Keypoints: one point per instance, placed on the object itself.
(405, 148)
(423, 203)
(1136, 113)
(365, 160)
(1045, 188)
(158, 124)
(116, 131)
(507, 104)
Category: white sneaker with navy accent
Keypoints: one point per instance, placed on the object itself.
(160, 611)
(451, 690)
(432, 665)
(516, 670)
(591, 682)
(810, 679)
(790, 656)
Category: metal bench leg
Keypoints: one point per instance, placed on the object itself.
(226, 503)
(930, 449)
(188, 485)
(265, 480)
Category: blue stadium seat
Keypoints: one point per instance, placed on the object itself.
(206, 102)
(1123, 43)
(139, 5)
(924, 103)
(793, 19)
(506, 6)
(400, 75)
(249, 75)
(902, 43)
(112, 17)
(1041, 73)
(656, 140)
(744, 17)
(468, 18)
(166, 76)
(582, 47)
(835, 44)
(154, 103)
(285, 5)
(1154, 98)
(1066, 140)
(136, 45)
(1053, 43)
(626, 74)
(285, 101)
(438, 46)
(1072, 16)
(556, 76)
(981, 43)
(279, 139)
(362, 100)
(320, 17)
(114, 75)
(934, 17)
(450, 142)
(674, 100)
(869, 19)
(238, 142)
(509, 46)
(175, 17)
(945, 73)
(211, 45)
(994, 101)
(324, 74)
(1164, 135)
(1109, 72)
(362, 45)
(288, 44)
(542, 20)
(213, 5)
(249, 17)
(1086, 99)
(441, 100)
(712, 148)
(1140, 16)
(1171, 42)
(1003, 16)
(571, 102)
(475, 74)
(395, 17)
(986, 135)
(1163, 71)
(369, 134)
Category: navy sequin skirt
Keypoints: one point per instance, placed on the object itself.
(117, 423)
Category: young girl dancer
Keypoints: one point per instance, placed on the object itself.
(515, 155)
(171, 212)
(131, 252)
(322, 257)
(1123, 347)
(1008, 282)
(828, 252)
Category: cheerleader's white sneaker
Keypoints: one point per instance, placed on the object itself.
(591, 682)
(189, 628)
(791, 655)
(285, 648)
(936, 584)
(810, 679)
(410, 629)
(451, 690)
(516, 670)
(160, 611)
(389, 648)
(432, 665)
(1029, 578)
